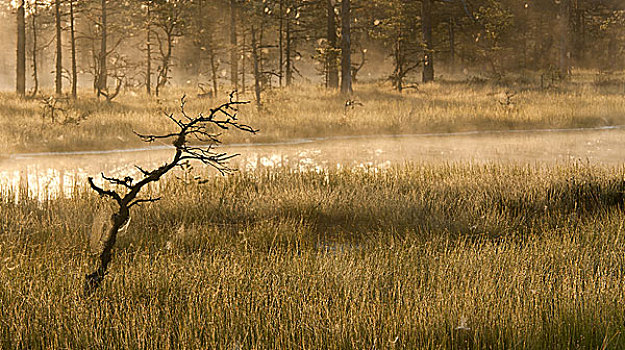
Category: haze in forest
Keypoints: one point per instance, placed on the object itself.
(215, 46)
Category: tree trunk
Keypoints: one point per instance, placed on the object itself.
(94, 279)
(33, 24)
(102, 79)
(20, 86)
(73, 44)
(332, 71)
(234, 52)
(211, 57)
(399, 61)
(578, 33)
(243, 70)
(58, 80)
(452, 45)
(280, 43)
(257, 77)
(565, 66)
(289, 63)
(428, 55)
(346, 48)
(163, 77)
(148, 66)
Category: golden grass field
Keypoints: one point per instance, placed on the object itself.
(308, 111)
(420, 256)
(431, 255)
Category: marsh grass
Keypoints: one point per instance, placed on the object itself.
(420, 256)
(309, 111)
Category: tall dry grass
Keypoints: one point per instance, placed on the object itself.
(421, 256)
(309, 111)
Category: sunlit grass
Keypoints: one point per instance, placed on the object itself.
(421, 256)
(309, 111)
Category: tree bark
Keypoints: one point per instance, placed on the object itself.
(234, 51)
(243, 70)
(565, 53)
(33, 26)
(211, 54)
(58, 80)
(163, 75)
(289, 63)
(332, 71)
(94, 279)
(452, 45)
(255, 58)
(281, 43)
(148, 66)
(73, 44)
(20, 86)
(346, 48)
(102, 79)
(428, 54)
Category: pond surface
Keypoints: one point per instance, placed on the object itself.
(49, 175)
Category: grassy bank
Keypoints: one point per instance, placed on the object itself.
(303, 112)
(436, 256)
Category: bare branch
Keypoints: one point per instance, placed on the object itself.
(142, 201)
(104, 193)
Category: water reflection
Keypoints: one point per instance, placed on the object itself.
(42, 176)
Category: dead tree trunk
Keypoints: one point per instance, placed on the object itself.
(428, 51)
(163, 74)
(103, 76)
(118, 220)
(243, 68)
(35, 49)
(346, 48)
(452, 45)
(281, 42)
(58, 80)
(211, 57)
(148, 65)
(234, 49)
(289, 63)
(332, 71)
(73, 44)
(565, 67)
(20, 85)
(257, 76)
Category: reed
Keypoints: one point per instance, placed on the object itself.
(419, 256)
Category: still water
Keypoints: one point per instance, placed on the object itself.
(44, 175)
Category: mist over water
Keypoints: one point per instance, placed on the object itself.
(50, 175)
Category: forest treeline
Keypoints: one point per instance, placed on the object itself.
(254, 45)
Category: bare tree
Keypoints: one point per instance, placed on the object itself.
(72, 32)
(257, 71)
(428, 51)
(207, 45)
(21, 51)
(58, 80)
(201, 128)
(234, 48)
(148, 47)
(168, 18)
(565, 42)
(331, 57)
(346, 48)
(35, 48)
(102, 76)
